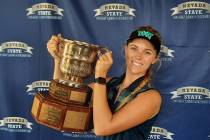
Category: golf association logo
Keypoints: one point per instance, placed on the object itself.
(38, 86)
(15, 49)
(191, 94)
(44, 11)
(191, 10)
(15, 124)
(114, 11)
(157, 133)
(166, 54)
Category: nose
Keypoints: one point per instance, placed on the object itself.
(139, 54)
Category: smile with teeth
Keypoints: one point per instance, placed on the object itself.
(135, 63)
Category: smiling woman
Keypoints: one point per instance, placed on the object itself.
(126, 106)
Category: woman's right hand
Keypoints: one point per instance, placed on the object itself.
(53, 47)
(103, 64)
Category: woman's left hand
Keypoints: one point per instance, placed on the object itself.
(103, 64)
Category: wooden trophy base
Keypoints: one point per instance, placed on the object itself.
(62, 116)
(79, 95)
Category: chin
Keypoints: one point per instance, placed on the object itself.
(137, 72)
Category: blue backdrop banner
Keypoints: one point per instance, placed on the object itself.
(183, 76)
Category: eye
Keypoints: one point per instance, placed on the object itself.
(148, 52)
(133, 47)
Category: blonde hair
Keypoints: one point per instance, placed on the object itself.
(146, 80)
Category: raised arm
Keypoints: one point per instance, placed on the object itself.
(137, 111)
(55, 52)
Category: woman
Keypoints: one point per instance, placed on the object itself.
(125, 107)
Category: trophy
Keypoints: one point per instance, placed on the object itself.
(67, 106)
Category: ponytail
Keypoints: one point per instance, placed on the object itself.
(146, 80)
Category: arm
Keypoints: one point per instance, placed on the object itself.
(57, 74)
(54, 51)
(137, 111)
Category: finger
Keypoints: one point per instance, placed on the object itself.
(52, 43)
(54, 37)
(51, 46)
(104, 57)
(109, 53)
(101, 59)
(109, 56)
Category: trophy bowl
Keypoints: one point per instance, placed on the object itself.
(77, 62)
